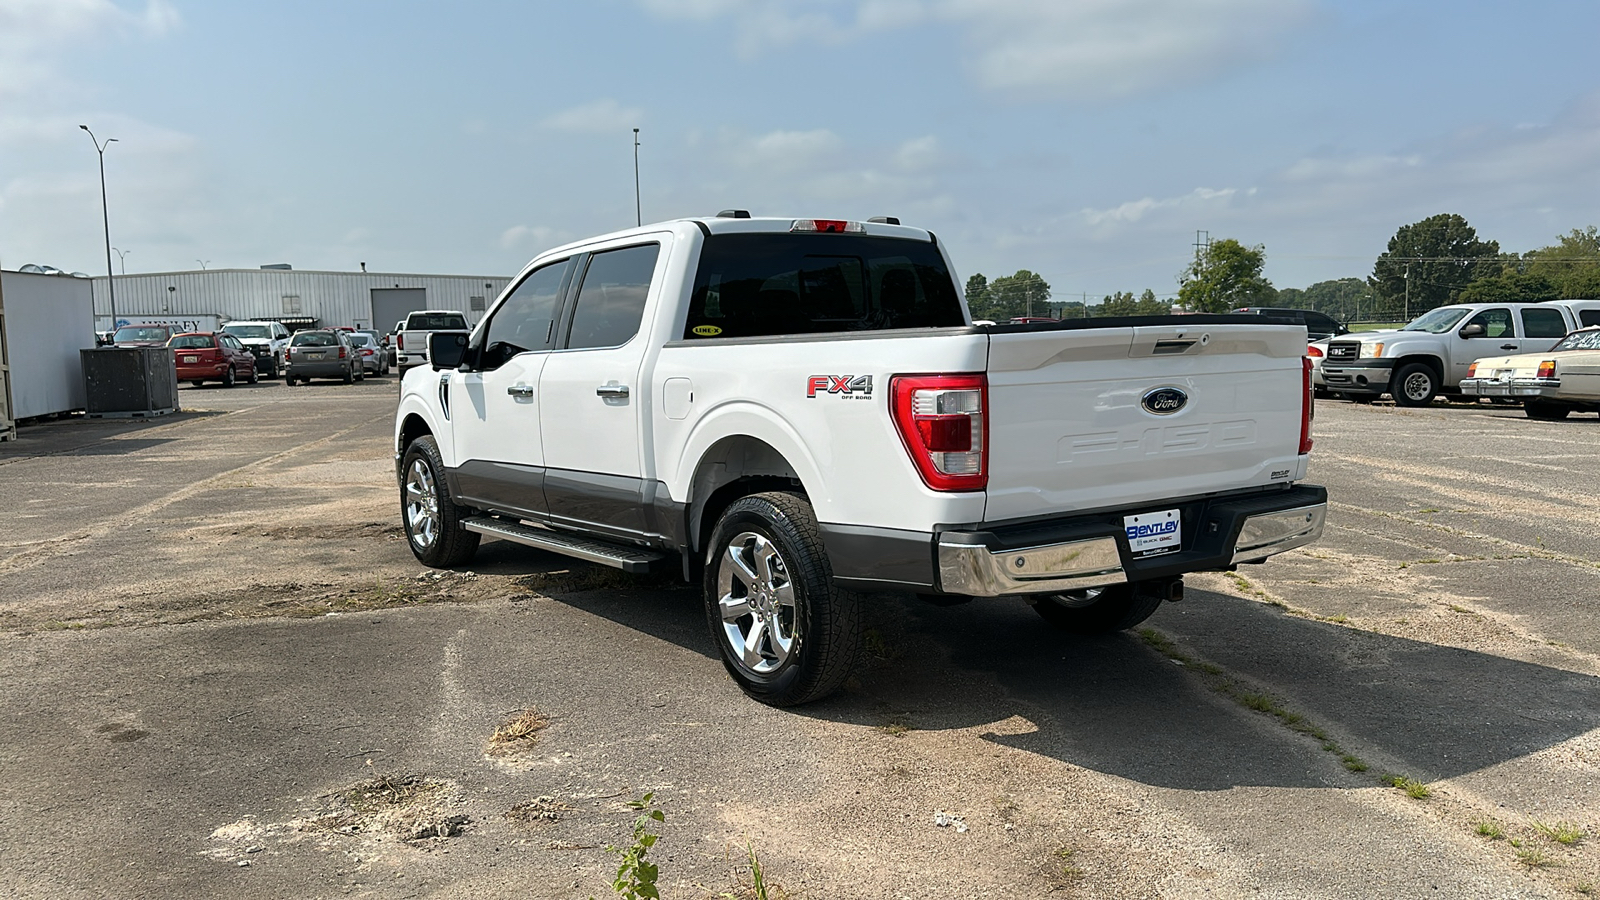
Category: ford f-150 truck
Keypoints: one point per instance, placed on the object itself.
(1431, 354)
(797, 412)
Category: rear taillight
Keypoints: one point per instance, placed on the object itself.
(400, 341)
(1315, 352)
(1307, 406)
(1547, 368)
(943, 421)
(341, 353)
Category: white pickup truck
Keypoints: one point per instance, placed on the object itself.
(797, 411)
(411, 337)
(1432, 353)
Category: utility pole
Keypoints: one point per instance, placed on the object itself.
(1408, 292)
(638, 213)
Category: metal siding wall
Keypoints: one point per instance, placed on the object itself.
(335, 298)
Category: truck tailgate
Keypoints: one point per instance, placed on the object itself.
(1093, 418)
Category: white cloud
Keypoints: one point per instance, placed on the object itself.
(1076, 48)
(528, 237)
(1134, 210)
(34, 32)
(596, 117)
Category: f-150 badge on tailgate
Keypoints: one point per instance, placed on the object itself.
(1164, 401)
(850, 387)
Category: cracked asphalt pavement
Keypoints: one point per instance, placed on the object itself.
(224, 675)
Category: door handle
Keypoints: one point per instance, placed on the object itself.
(612, 390)
(1508, 346)
(520, 390)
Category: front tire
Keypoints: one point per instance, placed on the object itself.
(1116, 607)
(1415, 384)
(432, 519)
(786, 633)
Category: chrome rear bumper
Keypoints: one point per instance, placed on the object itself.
(972, 567)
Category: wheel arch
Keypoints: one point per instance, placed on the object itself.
(735, 466)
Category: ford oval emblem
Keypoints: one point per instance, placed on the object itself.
(1164, 401)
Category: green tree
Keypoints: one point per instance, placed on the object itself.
(1021, 294)
(1437, 257)
(1150, 305)
(1225, 276)
(1510, 287)
(977, 294)
(1571, 265)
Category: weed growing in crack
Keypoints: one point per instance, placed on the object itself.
(1413, 788)
(1534, 858)
(1564, 834)
(636, 877)
(1218, 680)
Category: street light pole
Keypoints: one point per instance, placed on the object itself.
(122, 259)
(638, 214)
(105, 218)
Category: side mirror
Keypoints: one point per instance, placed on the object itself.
(446, 349)
(1473, 330)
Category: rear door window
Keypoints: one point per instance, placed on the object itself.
(610, 303)
(1543, 323)
(751, 285)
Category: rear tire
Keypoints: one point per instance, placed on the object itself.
(228, 378)
(198, 383)
(786, 633)
(1116, 607)
(349, 376)
(431, 517)
(1415, 384)
(1545, 411)
(255, 375)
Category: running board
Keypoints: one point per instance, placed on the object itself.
(633, 560)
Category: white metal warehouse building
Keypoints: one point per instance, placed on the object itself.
(298, 299)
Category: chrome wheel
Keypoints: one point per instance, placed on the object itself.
(422, 505)
(757, 603)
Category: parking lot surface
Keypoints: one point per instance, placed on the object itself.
(224, 675)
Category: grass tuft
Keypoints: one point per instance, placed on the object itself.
(1490, 830)
(1534, 858)
(1563, 833)
(1414, 789)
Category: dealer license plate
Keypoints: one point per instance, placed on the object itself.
(1152, 533)
(191, 359)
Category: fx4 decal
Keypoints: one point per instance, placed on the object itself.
(857, 387)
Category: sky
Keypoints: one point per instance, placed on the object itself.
(1088, 141)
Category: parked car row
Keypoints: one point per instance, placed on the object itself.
(1546, 355)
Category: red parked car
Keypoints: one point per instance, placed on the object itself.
(203, 356)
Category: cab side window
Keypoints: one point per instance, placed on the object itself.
(1496, 323)
(610, 304)
(526, 320)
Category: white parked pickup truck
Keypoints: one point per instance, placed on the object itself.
(797, 411)
(411, 338)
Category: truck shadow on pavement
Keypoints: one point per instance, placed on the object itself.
(1115, 705)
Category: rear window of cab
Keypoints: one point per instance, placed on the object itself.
(753, 285)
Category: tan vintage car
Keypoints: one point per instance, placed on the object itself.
(1551, 384)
